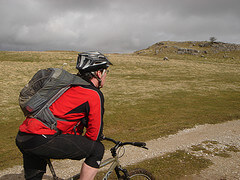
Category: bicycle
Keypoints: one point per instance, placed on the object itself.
(121, 174)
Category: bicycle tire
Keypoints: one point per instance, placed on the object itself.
(140, 174)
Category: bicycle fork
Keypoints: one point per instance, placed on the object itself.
(125, 172)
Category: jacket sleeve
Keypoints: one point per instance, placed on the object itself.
(94, 128)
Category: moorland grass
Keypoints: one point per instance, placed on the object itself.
(174, 165)
(170, 166)
(145, 97)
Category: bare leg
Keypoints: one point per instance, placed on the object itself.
(88, 172)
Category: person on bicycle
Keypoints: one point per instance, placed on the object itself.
(81, 106)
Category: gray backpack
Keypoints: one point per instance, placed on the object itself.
(45, 87)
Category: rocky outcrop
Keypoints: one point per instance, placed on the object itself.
(200, 48)
(220, 46)
(188, 51)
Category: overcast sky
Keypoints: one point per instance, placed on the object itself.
(114, 25)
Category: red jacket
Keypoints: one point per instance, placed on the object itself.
(76, 103)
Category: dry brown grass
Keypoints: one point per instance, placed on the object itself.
(147, 76)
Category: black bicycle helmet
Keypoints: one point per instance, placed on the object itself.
(92, 61)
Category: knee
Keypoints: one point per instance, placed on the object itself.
(100, 149)
(96, 156)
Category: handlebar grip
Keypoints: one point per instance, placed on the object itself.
(139, 144)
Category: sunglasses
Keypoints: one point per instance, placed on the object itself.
(105, 71)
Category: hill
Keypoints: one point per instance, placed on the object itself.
(193, 49)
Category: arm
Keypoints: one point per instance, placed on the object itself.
(95, 117)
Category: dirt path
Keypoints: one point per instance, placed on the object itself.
(224, 134)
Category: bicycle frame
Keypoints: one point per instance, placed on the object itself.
(114, 161)
(115, 166)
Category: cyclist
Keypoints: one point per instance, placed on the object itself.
(81, 106)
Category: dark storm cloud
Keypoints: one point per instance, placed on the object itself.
(114, 26)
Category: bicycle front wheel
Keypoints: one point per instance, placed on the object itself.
(140, 174)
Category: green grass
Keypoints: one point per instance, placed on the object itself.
(174, 165)
(171, 166)
(144, 96)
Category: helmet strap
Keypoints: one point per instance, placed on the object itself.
(99, 83)
(99, 80)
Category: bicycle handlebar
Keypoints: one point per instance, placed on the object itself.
(119, 143)
(109, 139)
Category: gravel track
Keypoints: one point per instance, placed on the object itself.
(227, 133)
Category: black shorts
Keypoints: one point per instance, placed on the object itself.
(37, 148)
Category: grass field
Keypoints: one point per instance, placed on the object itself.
(171, 165)
(145, 97)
